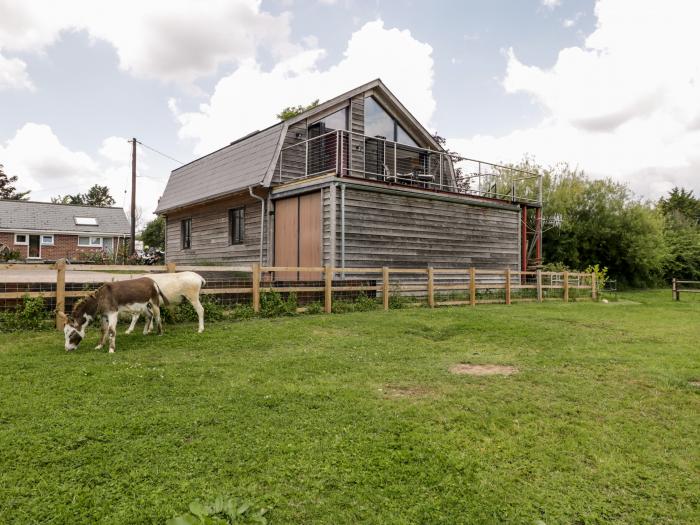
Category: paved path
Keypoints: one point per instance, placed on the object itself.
(49, 276)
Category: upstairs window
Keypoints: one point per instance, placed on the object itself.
(236, 226)
(186, 233)
(378, 123)
(85, 221)
(334, 121)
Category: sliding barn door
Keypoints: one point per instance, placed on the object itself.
(298, 235)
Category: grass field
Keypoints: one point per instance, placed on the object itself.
(355, 418)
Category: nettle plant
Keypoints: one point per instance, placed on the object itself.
(221, 511)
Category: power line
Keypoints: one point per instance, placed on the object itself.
(159, 152)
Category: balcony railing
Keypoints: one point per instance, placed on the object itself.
(351, 154)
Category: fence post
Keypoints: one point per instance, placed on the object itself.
(594, 286)
(328, 290)
(256, 287)
(385, 287)
(472, 286)
(431, 288)
(171, 267)
(566, 287)
(508, 286)
(539, 286)
(60, 292)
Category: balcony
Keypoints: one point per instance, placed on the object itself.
(349, 154)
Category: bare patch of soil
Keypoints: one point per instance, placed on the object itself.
(483, 370)
(401, 392)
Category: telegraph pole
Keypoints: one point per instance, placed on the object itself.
(132, 250)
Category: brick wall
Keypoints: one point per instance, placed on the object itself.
(64, 246)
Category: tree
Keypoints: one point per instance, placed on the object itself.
(7, 191)
(96, 196)
(293, 111)
(681, 211)
(153, 234)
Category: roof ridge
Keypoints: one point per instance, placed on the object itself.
(63, 204)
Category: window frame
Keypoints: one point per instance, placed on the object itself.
(26, 239)
(236, 236)
(90, 243)
(186, 241)
(41, 240)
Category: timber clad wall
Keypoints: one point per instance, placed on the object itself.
(409, 232)
(210, 233)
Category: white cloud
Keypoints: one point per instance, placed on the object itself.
(623, 105)
(551, 4)
(249, 98)
(569, 22)
(13, 74)
(49, 168)
(172, 40)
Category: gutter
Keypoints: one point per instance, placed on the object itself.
(262, 221)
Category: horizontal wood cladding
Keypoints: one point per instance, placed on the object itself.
(210, 233)
(404, 231)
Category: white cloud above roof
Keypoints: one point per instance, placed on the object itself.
(167, 39)
(13, 74)
(626, 104)
(250, 97)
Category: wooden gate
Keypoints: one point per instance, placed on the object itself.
(298, 235)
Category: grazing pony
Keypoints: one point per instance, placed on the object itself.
(135, 295)
(175, 286)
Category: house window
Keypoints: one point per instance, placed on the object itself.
(186, 233)
(378, 123)
(236, 226)
(47, 240)
(85, 221)
(93, 242)
(21, 238)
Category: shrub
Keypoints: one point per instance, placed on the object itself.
(314, 308)
(96, 257)
(241, 312)
(29, 315)
(185, 312)
(272, 304)
(396, 300)
(9, 255)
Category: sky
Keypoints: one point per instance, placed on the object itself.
(609, 86)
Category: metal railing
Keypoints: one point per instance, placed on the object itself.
(352, 154)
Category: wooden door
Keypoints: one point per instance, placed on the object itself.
(310, 234)
(298, 235)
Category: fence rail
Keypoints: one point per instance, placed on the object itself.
(678, 286)
(430, 289)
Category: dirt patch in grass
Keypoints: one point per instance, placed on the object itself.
(483, 370)
(695, 384)
(404, 392)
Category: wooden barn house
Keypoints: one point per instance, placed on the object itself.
(356, 181)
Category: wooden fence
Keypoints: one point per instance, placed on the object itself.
(678, 286)
(261, 279)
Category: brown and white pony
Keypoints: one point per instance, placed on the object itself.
(135, 295)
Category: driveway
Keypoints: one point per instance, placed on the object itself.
(72, 276)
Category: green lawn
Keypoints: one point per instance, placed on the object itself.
(355, 418)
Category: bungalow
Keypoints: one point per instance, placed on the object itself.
(356, 181)
(43, 230)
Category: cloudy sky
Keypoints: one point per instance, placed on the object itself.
(612, 86)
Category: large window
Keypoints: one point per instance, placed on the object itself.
(378, 123)
(334, 121)
(186, 233)
(236, 226)
(92, 242)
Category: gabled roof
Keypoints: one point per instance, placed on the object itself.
(250, 161)
(47, 217)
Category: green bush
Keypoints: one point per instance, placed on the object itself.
(241, 312)
(272, 304)
(314, 308)
(185, 312)
(361, 303)
(29, 315)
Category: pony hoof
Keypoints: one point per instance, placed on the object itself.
(111, 350)
(98, 347)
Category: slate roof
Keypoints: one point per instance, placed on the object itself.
(232, 168)
(46, 217)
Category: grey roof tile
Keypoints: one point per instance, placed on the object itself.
(232, 168)
(49, 218)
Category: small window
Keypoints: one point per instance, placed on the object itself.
(186, 233)
(93, 242)
(236, 226)
(85, 221)
(47, 240)
(20, 238)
